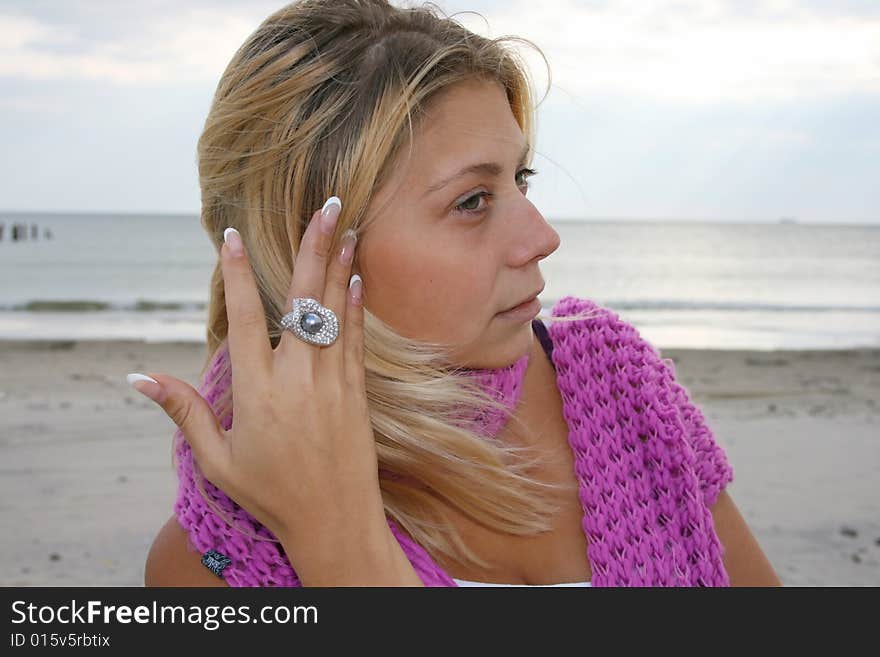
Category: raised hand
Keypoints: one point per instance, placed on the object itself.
(300, 455)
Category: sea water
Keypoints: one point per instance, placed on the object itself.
(681, 283)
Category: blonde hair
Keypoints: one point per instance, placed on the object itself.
(318, 101)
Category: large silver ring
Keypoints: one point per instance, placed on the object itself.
(311, 322)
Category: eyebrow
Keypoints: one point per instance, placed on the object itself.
(491, 168)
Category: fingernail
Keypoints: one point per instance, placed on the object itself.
(145, 385)
(330, 213)
(233, 240)
(356, 285)
(349, 239)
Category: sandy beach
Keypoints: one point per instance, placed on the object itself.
(86, 477)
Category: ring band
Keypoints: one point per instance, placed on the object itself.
(311, 322)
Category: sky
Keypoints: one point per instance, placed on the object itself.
(704, 110)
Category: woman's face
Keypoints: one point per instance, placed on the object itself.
(440, 262)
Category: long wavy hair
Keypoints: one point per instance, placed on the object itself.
(320, 100)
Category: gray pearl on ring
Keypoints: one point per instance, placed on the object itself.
(311, 322)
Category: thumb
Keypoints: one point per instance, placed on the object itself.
(189, 411)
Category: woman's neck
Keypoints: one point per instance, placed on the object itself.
(527, 387)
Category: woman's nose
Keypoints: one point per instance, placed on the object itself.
(535, 237)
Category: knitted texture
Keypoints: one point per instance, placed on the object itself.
(647, 465)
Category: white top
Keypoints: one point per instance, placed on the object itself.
(467, 582)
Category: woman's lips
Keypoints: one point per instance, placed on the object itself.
(528, 308)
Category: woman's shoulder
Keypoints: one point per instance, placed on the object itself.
(172, 561)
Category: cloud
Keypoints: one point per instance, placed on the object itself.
(668, 51)
(702, 52)
(31, 104)
(188, 44)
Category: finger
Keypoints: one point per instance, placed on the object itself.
(192, 414)
(353, 335)
(249, 348)
(336, 292)
(309, 276)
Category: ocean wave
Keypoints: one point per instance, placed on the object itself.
(92, 305)
(148, 305)
(668, 304)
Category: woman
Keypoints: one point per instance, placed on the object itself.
(385, 398)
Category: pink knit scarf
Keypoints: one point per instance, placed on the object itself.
(647, 466)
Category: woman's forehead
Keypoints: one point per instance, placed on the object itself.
(469, 126)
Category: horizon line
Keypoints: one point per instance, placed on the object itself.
(783, 219)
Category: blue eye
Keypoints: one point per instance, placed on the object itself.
(461, 209)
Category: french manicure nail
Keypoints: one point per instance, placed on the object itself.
(145, 385)
(356, 285)
(349, 239)
(330, 213)
(233, 240)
